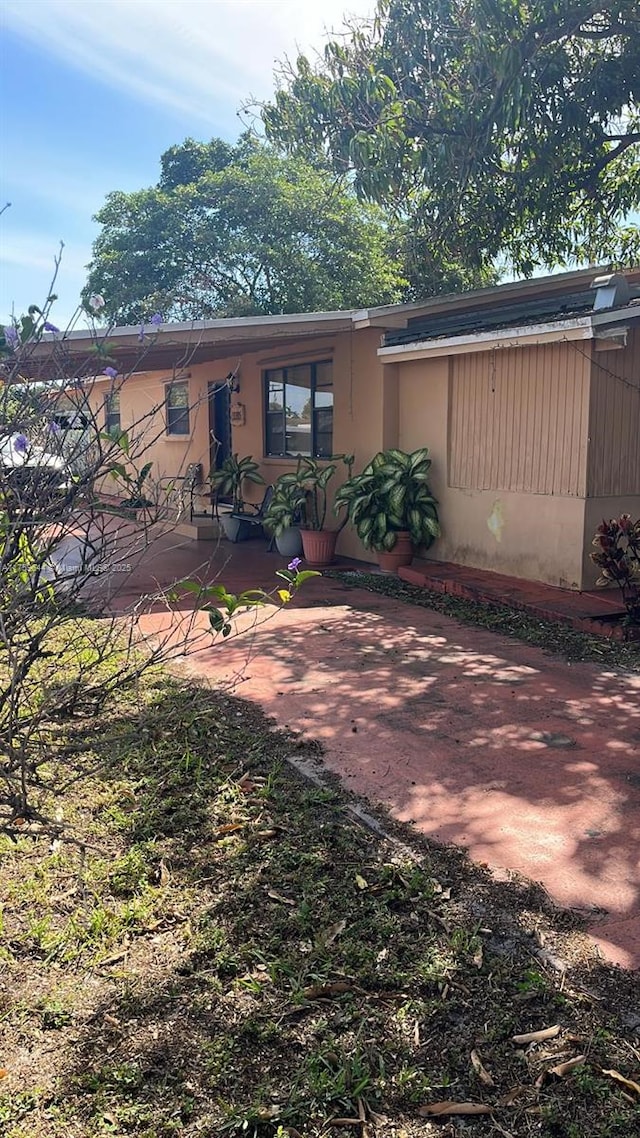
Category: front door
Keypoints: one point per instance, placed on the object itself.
(219, 424)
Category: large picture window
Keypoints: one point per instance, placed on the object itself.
(177, 404)
(112, 414)
(299, 410)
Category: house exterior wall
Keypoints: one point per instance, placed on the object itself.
(365, 407)
(508, 437)
(531, 446)
(365, 410)
(613, 472)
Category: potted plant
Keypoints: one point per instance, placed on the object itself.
(284, 516)
(228, 482)
(301, 499)
(391, 506)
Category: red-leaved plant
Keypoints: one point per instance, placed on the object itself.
(618, 558)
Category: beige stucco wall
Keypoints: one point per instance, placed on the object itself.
(505, 431)
(365, 409)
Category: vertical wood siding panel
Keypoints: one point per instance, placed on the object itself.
(614, 427)
(529, 434)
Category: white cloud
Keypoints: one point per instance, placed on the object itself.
(183, 55)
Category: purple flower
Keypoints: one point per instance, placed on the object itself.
(293, 565)
(11, 337)
(49, 327)
(156, 319)
(54, 428)
(111, 372)
(21, 444)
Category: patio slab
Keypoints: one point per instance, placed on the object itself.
(529, 762)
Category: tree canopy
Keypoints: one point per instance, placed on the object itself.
(240, 230)
(499, 128)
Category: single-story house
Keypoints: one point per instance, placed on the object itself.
(527, 395)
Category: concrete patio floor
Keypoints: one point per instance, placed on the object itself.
(529, 762)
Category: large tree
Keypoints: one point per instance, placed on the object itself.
(502, 129)
(239, 230)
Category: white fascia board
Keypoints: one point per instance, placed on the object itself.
(579, 328)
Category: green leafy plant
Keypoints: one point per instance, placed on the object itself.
(221, 605)
(134, 483)
(300, 496)
(391, 495)
(618, 558)
(230, 479)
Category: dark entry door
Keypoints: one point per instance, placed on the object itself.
(219, 424)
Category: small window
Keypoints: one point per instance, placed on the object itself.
(177, 402)
(299, 410)
(112, 413)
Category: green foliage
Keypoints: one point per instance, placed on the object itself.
(498, 129)
(132, 482)
(300, 496)
(229, 480)
(236, 231)
(618, 559)
(392, 494)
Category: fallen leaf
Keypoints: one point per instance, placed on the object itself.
(319, 991)
(291, 1132)
(512, 1095)
(360, 882)
(278, 897)
(229, 828)
(262, 835)
(478, 957)
(537, 1036)
(438, 1108)
(247, 785)
(480, 1069)
(163, 873)
(629, 1083)
(344, 1122)
(328, 936)
(111, 1021)
(4, 1074)
(561, 1069)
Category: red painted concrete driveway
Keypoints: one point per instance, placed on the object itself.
(529, 762)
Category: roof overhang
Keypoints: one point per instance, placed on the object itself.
(607, 327)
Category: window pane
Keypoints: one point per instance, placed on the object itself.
(112, 412)
(275, 395)
(324, 432)
(324, 374)
(275, 434)
(298, 418)
(299, 410)
(178, 395)
(178, 409)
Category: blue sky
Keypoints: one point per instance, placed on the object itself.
(93, 92)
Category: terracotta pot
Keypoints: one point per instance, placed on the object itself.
(319, 547)
(401, 554)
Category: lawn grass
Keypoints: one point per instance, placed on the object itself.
(553, 636)
(225, 950)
